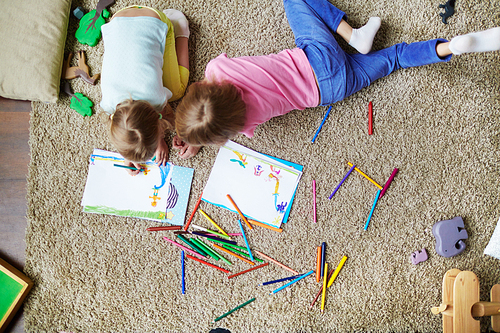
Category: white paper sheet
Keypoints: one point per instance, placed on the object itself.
(261, 187)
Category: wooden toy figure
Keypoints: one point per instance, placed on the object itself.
(89, 30)
(82, 70)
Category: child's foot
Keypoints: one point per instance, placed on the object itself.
(362, 38)
(179, 21)
(482, 41)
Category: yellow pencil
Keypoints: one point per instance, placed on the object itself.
(337, 270)
(323, 296)
(233, 254)
(361, 172)
(215, 224)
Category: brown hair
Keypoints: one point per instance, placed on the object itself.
(136, 129)
(210, 113)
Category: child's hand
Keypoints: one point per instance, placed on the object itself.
(161, 153)
(186, 151)
(134, 165)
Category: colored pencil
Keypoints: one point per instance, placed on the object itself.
(191, 245)
(337, 271)
(213, 222)
(213, 238)
(206, 249)
(183, 247)
(227, 246)
(210, 231)
(236, 308)
(192, 214)
(323, 296)
(323, 258)
(264, 225)
(292, 282)
(320, 291)
(370, 118)
(386, 186)
(322, 123)
(172, 227)
(318, 263)
(246, 240)
(276, 262)
(314, 200)
(233, 254)
(363, 174)
(236, 246)
(214, 252)
(183, 276)
(153, 159)
(280, 280)
(342, 181)
(208, 264)
(248, 270)
(239, 211)
(373, 208)
(127, 167)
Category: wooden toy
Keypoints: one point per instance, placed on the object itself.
(449, 237)
(14, 286)
(82, 70)
(419, 256)
(461, 303)
(449, 9)
(89, 30)
(79, 102)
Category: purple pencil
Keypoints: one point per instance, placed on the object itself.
(386, 186)
(345, 177)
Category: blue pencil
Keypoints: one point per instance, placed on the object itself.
(127, 167)
(280, 280)
(246, 241)
(373, 208)
(324, 119)
(345, 177)
(183, 275)
(292, 282)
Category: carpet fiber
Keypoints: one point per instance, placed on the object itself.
(438, 124)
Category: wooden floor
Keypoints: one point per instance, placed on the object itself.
(14, 159)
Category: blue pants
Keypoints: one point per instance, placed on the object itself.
(340, 74)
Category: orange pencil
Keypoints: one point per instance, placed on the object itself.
(265, 225)
(318, 263)
(207, 263)
(248, 270)
(233, 254)
(276, 262)
(194, 211)
(239, 211)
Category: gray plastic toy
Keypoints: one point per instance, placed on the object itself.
(449, 237)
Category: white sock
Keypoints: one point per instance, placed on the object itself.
(362, 38)
(482, 41)
(179, 21)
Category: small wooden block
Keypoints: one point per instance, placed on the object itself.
(448, 283)
(466, 294)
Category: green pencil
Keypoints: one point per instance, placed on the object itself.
(241, 253)
(205, 249)
(236, 308)
(126, 167)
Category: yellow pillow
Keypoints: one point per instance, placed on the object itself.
(32, 38)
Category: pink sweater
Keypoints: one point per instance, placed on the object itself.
(271, 85)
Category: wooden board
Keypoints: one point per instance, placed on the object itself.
(14, 286)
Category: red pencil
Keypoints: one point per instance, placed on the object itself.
(370, 118)
(173, 227)
(192, 214)
(207, 263)
(248, 270)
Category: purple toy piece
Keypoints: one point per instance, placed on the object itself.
(449, 237)
(419, 256)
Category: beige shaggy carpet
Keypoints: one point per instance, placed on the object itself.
(438, 124)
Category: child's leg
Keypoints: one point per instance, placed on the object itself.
(364, 69)
(176, 57)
